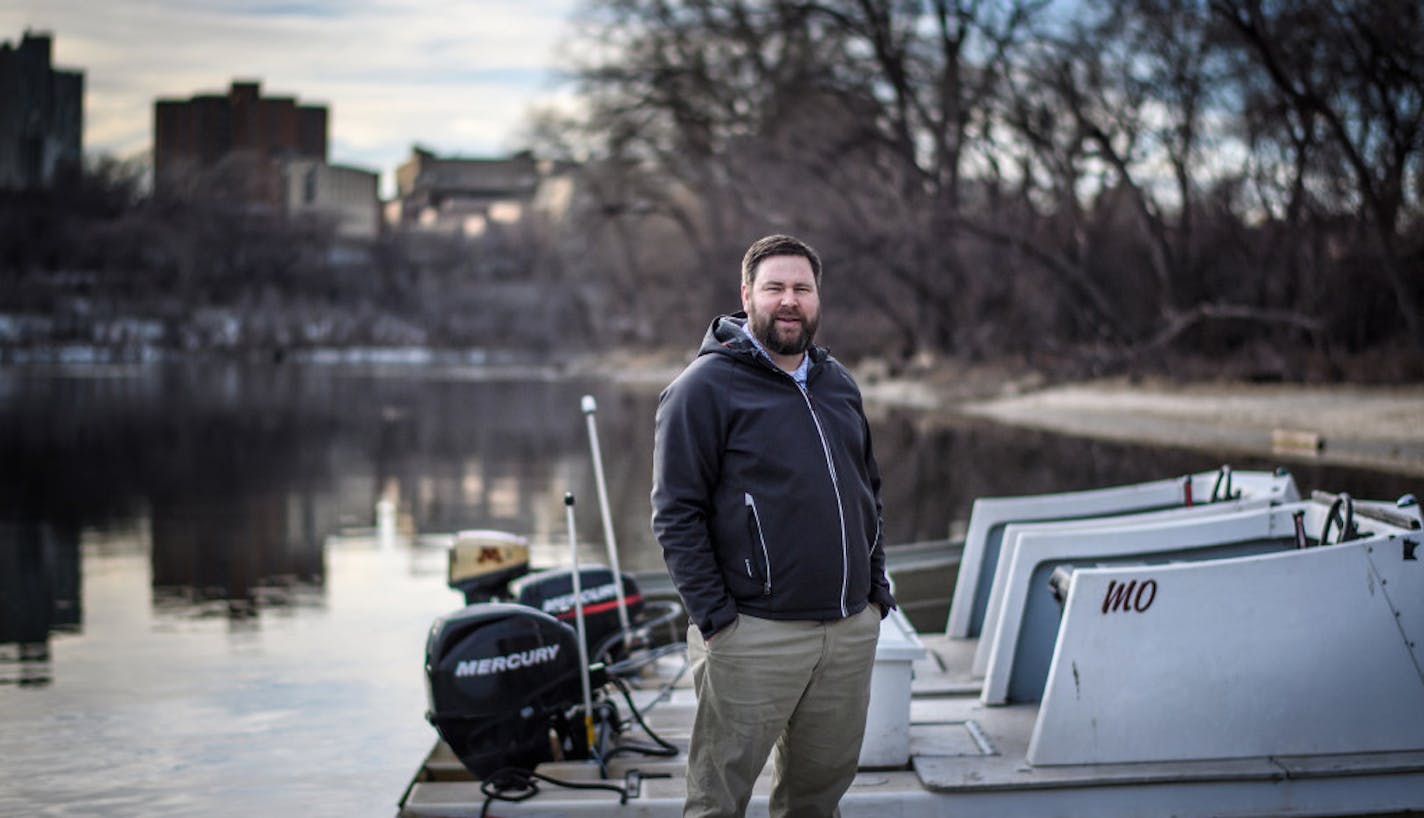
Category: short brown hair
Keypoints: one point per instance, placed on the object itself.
(778, 245)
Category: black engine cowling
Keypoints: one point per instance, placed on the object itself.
(500, 678)
(552, 592)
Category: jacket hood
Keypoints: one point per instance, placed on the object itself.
(725, 337)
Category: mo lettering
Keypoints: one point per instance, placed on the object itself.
(1130, 596)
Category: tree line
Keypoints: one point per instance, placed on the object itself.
(100, 264)
(1087, 185)
(1102, 182)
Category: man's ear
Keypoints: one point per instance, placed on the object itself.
(745, 301)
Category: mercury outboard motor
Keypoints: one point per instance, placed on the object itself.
(553, 593)
(503, 681)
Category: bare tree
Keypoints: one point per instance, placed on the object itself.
(846, 120)
(1114, 175)
(1121, 123)
(1355, 71)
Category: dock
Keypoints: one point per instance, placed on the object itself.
(966, 758)
(955, 754)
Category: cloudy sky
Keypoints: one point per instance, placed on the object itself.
(456, 76)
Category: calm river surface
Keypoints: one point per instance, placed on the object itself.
(198, 616)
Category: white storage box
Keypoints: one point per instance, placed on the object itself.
(887, 725)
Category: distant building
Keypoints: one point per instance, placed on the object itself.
(347, 197)
(462, 195)
(41, 114)
(265, 151)
(234, 144)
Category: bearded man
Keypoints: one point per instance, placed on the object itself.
(766, 503)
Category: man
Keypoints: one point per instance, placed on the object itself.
(766, 502)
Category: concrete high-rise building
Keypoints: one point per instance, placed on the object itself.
(234, 144)
(41, 114)
(345, 196)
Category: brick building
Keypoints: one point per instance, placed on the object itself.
(234, 144)
(41, 114)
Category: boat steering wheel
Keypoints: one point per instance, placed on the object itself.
(1347, 523)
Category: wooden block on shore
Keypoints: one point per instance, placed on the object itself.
(1297, 441)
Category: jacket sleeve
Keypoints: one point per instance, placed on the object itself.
(879, 582)
(689, 436)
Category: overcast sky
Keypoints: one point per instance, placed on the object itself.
(456, 76)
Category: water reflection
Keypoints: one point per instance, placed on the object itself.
(39, 595)
(232, 478)
(237, 476)
(234, 557)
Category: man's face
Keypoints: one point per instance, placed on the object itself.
(783, 304)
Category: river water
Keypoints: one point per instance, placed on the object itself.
(200, 616)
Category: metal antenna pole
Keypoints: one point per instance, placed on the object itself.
(590, 407)
(578, 618)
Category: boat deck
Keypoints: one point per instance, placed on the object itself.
(966, 759)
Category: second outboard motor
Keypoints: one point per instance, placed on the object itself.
(502, 680)
(482, 563)
(553, 593)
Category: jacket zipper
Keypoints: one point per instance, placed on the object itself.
(761, 541)
(836, 485)
(831, 469)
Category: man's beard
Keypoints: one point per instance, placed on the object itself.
(764, 328)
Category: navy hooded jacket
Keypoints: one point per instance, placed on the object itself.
(766, 497)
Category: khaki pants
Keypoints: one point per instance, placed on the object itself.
(800, 686)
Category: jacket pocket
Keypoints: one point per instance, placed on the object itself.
(758, 561)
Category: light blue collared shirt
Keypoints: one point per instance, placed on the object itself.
(801, 371)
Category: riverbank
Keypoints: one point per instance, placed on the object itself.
(1375, 426)
(1367, 426)
(1371, 427)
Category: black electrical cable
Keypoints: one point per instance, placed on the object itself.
(636, 663)
(498, 785)
(606, 715)
(664, 748)
(637, 633)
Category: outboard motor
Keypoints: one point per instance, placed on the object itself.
(553, 593)
(503, 681)
(482, 563)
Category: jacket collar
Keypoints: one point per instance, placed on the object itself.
(726, 336)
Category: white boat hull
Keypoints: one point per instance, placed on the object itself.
(1276, 684)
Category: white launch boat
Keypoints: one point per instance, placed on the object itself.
(1270, 664)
